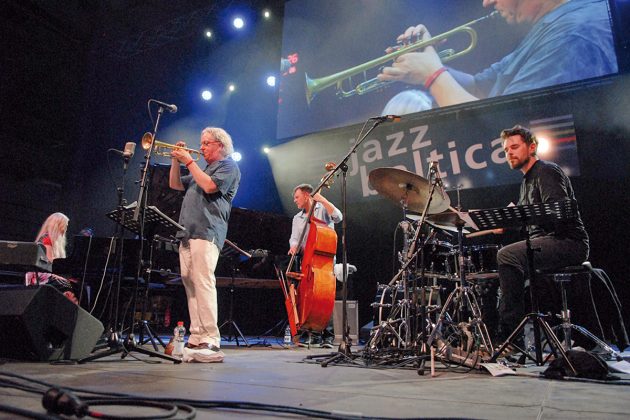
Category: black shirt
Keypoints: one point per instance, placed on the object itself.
(546, 182)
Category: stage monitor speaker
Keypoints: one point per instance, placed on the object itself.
(353, 320)
(41, 324)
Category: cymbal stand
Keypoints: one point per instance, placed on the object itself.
(415, 341)
(465, 303)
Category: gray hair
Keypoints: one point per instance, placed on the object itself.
(221, 135)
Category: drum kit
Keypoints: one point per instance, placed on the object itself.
(410, 320)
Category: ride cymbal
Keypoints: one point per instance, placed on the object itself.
(408, 190)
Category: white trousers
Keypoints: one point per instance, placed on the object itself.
(198, 259)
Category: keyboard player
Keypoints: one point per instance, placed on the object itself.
(52, 236)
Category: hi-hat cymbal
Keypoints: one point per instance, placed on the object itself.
(450, 218)
(406, 188)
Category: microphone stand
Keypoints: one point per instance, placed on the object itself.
(130, 344)
(344, 351)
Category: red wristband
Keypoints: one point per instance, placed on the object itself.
(431, 79)
(189, 163)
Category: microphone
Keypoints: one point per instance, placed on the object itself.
(130, 149)
(438, 179)
(171, 107)
(383, 118)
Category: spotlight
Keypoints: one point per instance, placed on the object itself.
(266, 150)
(543, 145)
(236, 156)
(208, 34)
(238, 22)
(266, 14)
(271, 81)
(206, 95)
(231, 87)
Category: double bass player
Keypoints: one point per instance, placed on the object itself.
(323, 211)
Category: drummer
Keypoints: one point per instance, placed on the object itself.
(558, 245)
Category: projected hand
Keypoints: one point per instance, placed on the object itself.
(414, 67)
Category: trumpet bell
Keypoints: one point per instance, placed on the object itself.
(147, 140)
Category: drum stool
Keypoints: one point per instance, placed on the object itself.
(564, 275)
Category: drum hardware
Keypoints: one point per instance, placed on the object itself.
(462, 301)
(415, 193)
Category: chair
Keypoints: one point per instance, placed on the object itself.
(564, 275)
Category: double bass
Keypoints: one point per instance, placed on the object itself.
(310, 293)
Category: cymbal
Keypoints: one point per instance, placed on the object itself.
(450, 218)
(415, 217)
(404, 187)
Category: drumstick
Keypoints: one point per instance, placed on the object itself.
(480, 233)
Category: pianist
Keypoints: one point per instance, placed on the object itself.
(52, 236)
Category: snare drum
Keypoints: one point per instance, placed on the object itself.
(481, 261)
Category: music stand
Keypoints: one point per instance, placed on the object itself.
(124, 216)
(527, 215)
(232, 255)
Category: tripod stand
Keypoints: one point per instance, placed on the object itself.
(233, 326)
(116, 343)
(466, 308)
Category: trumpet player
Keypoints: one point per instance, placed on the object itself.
(568, 41)
(204, 213)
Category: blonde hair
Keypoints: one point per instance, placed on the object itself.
(55, 226)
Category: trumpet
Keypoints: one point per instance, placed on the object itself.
(314, 86)
(164, 149)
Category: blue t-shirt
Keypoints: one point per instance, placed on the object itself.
(572, 42)
(205, 216)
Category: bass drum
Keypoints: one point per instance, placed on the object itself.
(388, 300)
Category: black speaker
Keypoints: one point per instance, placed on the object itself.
(40, 323)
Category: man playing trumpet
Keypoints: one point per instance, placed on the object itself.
(205, 213)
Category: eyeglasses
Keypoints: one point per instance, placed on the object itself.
(208, 143)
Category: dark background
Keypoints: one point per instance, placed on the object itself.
(76, 76)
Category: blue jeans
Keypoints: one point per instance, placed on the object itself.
(550, 252)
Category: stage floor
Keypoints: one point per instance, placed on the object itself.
(279, 376)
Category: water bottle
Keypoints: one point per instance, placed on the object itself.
(178, 339)
(287, 336)
(528, 337)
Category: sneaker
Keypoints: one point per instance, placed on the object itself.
(203, 353)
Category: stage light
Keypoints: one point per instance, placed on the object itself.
(266, 14)
(231, 87)
(238, 23)
(236, 156)
(271, 81)
(208, 34)
(266, 150)
(206, 95)
(544, 146)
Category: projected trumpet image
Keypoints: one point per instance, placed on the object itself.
(402, 56)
